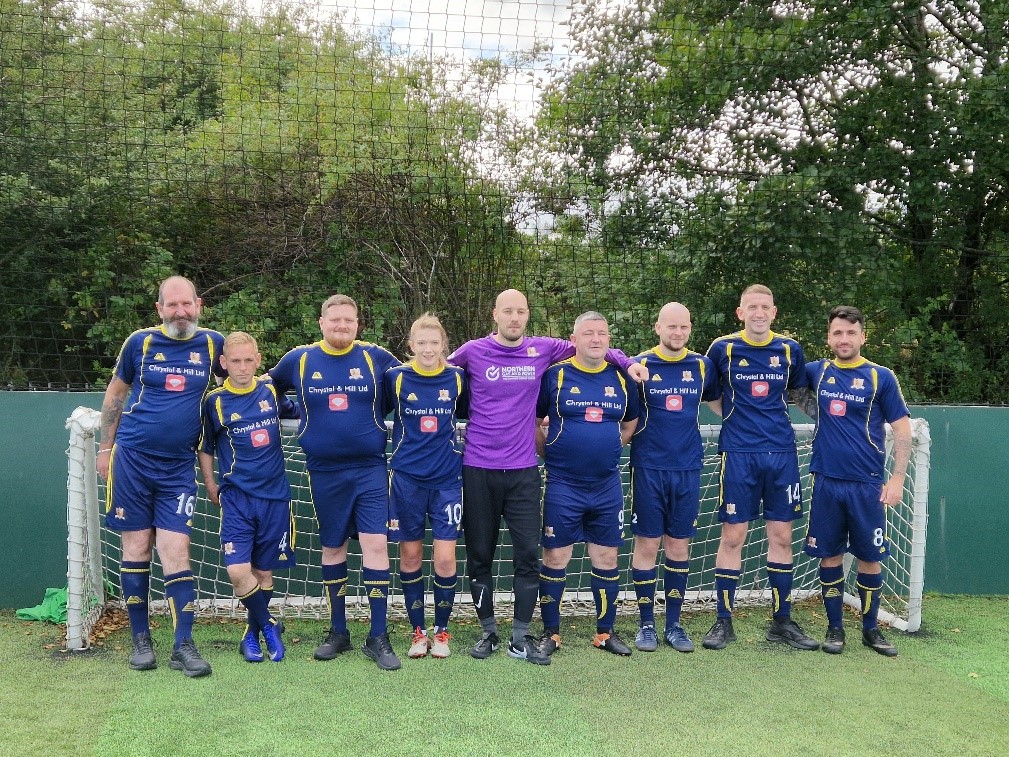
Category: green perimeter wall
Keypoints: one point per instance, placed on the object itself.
(968, 496)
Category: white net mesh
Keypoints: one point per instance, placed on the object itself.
(94, 551)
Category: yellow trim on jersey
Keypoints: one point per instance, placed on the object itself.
(324, 346)
(657, 351)
(420, 371)
(770, 338)
(586, 369)
(236, 390)
(854, 364)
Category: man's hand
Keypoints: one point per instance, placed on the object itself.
(637, 372)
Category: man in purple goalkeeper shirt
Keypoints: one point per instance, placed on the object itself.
(500, 474)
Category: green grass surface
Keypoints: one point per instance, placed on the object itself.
(947, 693)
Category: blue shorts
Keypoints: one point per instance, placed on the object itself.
(256, 530)
(146, 491)
(665, 502)
(590, 512)
(846, 516)
(350, 501)
(749, 478)
(411, 506)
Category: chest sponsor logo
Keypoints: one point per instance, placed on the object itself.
(493, 373)
(338, 402)
(174, 382)
(594, 414)
(428, 424)
(195, 358)
(674, 403)
(838, 407)
(759, 388)
(260, 438)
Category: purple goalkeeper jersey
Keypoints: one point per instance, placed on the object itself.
(504, 383)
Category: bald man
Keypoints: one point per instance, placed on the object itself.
(500, 474)
(151, 421)
(666, 462)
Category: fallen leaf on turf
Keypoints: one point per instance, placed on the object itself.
(955, 630)
(972, 675)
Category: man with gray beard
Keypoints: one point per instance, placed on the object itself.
(151, 421)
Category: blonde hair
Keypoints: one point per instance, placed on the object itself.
(430, 321)
(236, 338)
(755, 289)
(338, 299)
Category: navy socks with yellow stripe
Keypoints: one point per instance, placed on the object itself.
(412, 584)
(135, 580)
(726, 581)
(376, 583)
(869, 590)
(334, 583)
(444, 598)
(644, 590)
(552, 584)
(180, 590)
(675, 587)
(779, 578)
(259, 609)
(832, 591)
(605, 585)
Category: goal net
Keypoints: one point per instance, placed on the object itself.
(93, 552)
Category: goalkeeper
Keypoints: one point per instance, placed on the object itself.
(241, 422)
(852, 398)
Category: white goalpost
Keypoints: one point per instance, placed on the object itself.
(93, 552)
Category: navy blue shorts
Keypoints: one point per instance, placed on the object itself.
(256, 530)
(665, 502)
(350, 501)
(574, 512)
(146, 491)
(749, 479)
(412, 506)
(846, 516)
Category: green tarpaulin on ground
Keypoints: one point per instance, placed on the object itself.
(53, 608)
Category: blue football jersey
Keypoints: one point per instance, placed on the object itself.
(667, 436)
(168, 379)
(854, 401)
(340, 395)
(425, 409)
(754, 383)
(585, 407)
(242, 426)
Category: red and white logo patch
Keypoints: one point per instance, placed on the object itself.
(759, 388)
(594, 414)
(838, 407)
(338, 402)
(174, 382)
(260, 437)
(674, 403)
(428, 424)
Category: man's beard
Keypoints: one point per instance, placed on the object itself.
(181, 329)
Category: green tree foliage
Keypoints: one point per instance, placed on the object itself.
(272, 159)
(837, 151)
